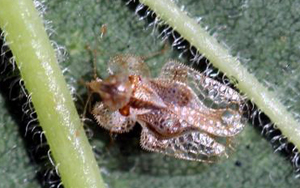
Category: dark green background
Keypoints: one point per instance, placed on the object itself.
(263, 34)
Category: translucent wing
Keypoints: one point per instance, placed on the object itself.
(163, 123)
(176, 93)
(112, 120)
(175, 119)
(195, 146)
(128, 65)
(206, 88)
(210, 105)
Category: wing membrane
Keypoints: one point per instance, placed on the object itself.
(213, 106)
(195, 146)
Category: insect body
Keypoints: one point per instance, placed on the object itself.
(182, 112)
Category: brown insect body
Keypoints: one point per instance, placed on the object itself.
(174, 119)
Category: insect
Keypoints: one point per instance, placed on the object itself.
(183, 113)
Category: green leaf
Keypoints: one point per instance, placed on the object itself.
(267, 34)
(16, 169)
(47, 90)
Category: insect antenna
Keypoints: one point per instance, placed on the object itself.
(87, 106)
